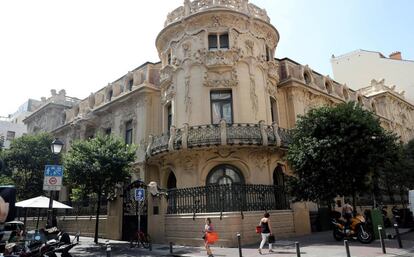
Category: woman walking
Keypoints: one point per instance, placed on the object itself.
(266, 232)
(208, 228)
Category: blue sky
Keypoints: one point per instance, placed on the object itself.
(81, 46)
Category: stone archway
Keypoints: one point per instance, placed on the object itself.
(279, 180)
(171, 181)
(278, 176)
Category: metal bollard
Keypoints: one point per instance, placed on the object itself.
(171, 247)
(239, 243)
(108, 249)
(397, 234)
(297, 249)
(382, 239)
(348, 253)
(150, 246)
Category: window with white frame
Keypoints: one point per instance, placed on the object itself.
(218, 41)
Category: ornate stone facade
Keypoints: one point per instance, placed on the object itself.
(214, 51)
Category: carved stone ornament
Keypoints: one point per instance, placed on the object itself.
(273, 71)
(217, 78)
(166, 74)
(271, 89)
(253, 96)
(222, 58)
(187, 99)
(259, 158)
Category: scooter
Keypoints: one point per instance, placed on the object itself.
(358, 228)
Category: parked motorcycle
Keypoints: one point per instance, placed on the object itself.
(358, 228)
(38, 245)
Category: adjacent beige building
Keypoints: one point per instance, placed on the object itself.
(210, 121)
(358, 68)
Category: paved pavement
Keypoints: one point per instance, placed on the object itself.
(316, 245)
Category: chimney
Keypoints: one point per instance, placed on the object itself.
(396, 55)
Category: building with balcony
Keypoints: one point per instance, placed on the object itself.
(210, 121)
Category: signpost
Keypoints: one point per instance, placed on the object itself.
(52, 182)
(139, 196)
(53, 178)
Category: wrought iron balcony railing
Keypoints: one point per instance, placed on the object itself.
(226, 198)
(218, 134)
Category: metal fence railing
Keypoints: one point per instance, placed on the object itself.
(226, 198)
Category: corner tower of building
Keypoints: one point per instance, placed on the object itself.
(217, 59)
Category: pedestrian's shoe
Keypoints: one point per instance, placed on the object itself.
(260, 251)
(271, 251)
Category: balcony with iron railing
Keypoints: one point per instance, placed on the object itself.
(219, 135)
(197, 6)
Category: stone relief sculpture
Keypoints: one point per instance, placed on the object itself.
(187, 98)
(253, 95)
(224, 78)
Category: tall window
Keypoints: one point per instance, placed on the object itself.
(128, 132)
(169, 117)
(107, 131)
(169, 58)
(130, 84)
(273, 109)
(218, 41)
(10, 135)
(268, 54)
(109, 96)
(221, 106)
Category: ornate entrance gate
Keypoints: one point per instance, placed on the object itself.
(130, 211)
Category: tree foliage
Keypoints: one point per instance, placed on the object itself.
(97, 165)
(398, 176)
(336, 150)
(25, 162)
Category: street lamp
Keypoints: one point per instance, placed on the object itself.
(56, 148)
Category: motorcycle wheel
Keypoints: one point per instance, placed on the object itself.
(364, 236)
(338, 235)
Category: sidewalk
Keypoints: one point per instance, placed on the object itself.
(316, 245)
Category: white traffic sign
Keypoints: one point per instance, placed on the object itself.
(53, 178)
(139, 194)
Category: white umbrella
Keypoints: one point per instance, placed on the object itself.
(41, 202)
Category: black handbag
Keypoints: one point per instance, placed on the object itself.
(271, 239)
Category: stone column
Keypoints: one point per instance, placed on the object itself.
(223, 132)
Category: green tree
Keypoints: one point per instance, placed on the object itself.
(25, 162)
(336, 151)
(97, 165)
(398, 176)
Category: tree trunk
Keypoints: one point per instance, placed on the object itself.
(97, 217)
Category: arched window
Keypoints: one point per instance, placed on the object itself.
(273, 110)
(278, 176)
(307, 77)
(225, 174)
(328, 87)
(172, 181)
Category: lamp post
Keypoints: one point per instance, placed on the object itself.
(56, 148)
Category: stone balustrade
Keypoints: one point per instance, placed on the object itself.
(196, 6)
(218, 135)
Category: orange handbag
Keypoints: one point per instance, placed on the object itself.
(212, 237)
(258, 229)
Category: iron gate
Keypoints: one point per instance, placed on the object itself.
(130, 211)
